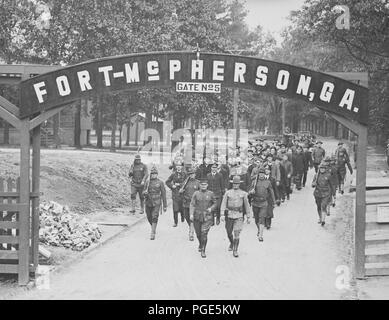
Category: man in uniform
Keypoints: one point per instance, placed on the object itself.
(155, 195)
(174, 183)
(216, 185)
(341, 162)
(189, 187)
(318, 154)
(138, 174)
(234, 204)
(323, 191)
(202, 206)
(260, 190)
(307, 163)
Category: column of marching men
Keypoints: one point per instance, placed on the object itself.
(238, 190)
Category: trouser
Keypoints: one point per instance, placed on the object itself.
(268, 222)
(202, 229)
(178, 208)
(297, 180)
(322, 206)
(305, 175)
(152, 214)
(260, 213)
(216, 212)
(316, 166)
(287, 190)
(137, 190)
(233, 228)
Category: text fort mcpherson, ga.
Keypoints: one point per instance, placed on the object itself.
(131, 75)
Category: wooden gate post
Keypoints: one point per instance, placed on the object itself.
(360, 210)
(36, 145)
(24, 215)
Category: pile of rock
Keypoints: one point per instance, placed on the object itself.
(60, 227)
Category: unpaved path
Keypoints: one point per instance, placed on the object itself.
(297, 260)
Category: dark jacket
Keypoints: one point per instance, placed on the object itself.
(298, 163)
(216, 184)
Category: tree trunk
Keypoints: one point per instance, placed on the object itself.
(6, 133)
(77, 126)
(99, 121)
(113, 131)
(120, 136)
(128, 133)
(56, 130)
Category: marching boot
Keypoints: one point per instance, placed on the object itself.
(260, 236)
(323, 218)
(153, 230)
(203, 255)
(142, 206)
(191, 232)
(182, 217)
(236, 244)
(132, 210)
(200, 246)
(231, 247)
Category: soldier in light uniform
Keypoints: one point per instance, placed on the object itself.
(323, 191)
(202, 206)
(189, 187)
(318, 154)
(138, 174)
(234, 204)
(174, 183)
(260, 190)
(155, 195)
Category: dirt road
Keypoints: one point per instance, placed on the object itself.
(297, 260)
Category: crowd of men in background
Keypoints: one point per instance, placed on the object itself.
(238, 189)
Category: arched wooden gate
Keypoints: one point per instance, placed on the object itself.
(45, 95)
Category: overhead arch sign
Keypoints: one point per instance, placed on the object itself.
(188, 71)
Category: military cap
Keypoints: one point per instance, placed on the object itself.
(154, 170)
(137, 156)
(214, 165)
(340, 143)
(319, 142)
(327, 159)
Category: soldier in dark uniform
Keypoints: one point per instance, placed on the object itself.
(260, 190)
(235, 205)
(298, 167)
(138, 174)
(155, 195)
(216, 185)
(318, 154)
(202, 206)
(189, 187)
(271, 204)
(341, 162)
(323, 191)
(307, 163)
(334, 179)
(174, 183)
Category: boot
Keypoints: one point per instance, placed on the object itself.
(132, 210)
(235, 249)
(203, 255)
(153, 230)
(142, 206)
(191, 232)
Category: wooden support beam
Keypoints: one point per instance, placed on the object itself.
(360, 207)
(36, 146)
(9, 106)
(44, 116)
(24, 215)
(9, 117)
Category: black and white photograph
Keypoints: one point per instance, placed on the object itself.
(186, 150)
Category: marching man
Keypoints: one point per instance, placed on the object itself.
(234, 204)
(202, 206)
(138, 174)
(190, 186)
(155, 195)
(260, 190)
(323, 192)
(174, 183)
